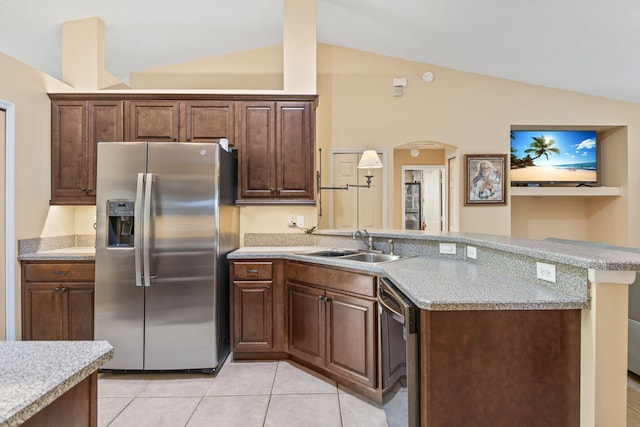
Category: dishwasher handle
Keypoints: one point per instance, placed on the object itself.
(387, 298)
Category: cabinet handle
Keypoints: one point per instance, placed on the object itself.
(253, 271)
(61, 272)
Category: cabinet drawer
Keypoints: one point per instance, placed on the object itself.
(59, 272)
(252, 270)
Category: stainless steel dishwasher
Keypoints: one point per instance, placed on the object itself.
(399, 350)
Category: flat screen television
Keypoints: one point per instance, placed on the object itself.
(554, 157)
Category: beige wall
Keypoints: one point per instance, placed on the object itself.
(3, 315)
(471, 112)
(27, 88)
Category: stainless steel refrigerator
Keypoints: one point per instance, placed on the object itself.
(166, 219)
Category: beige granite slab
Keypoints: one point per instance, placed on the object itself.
(35, 373)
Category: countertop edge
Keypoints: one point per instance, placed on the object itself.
(48, 396)
(379, 269)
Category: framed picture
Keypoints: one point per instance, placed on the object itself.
(484, 182)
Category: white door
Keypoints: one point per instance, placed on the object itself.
(452, 203)
(432, 199)
(357, 207)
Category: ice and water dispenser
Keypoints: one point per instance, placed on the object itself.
(120, 221)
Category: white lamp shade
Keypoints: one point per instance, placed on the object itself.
(369, 160)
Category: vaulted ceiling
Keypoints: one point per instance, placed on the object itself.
(587, 46)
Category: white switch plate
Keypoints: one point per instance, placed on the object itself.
(448, 248)
(471, 252)
(546, 271)
(300, 221)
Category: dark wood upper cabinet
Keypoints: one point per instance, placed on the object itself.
(273, 134)
(207, 121)
(257, 151)
(77, 126)
(152, 120)
(276, 144)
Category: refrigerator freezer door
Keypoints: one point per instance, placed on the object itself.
(180, 301)
(119, 303)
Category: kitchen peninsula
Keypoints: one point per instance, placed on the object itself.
(589, 290)
(50, 382)
(590, 293)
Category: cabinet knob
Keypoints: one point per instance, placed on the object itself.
(89, 189)
(64, 289)
(57, 289)
(83, 189)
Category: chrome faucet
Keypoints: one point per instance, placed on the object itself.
(368, 240)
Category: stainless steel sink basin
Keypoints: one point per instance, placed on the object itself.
(354, 255)
(372, 257)
(334, 253)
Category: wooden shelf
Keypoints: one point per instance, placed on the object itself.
(565, 191)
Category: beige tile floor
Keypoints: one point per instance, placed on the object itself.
(242, 394)
(633, 400)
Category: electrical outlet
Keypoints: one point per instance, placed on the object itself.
(291, 221)
(546, 271)
(471, 252)
(300, 220)
(448, 248)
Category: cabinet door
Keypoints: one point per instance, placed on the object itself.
(69, 152)
(151, 120)
(105, 124)
(207, 121)
(42, 317)
(77, 311)
(306, 323)
(252, 316)
(351, 337)
(257, 136)
(294, 151)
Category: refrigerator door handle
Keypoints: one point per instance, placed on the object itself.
(137, 232)
(147, 229)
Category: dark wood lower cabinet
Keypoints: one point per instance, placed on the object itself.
(333, 321)
(307, 337)
(57, 300)
(258, 310)
(500, 368)
(485, 368)
(78, 407)
(352, 337)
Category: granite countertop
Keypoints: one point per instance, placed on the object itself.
(599, 257)
(458, 285)
(451, 284)
(35, 373)
(74, 253)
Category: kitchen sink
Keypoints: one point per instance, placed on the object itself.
(372, 257)
(332, 252)
(355, 255)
